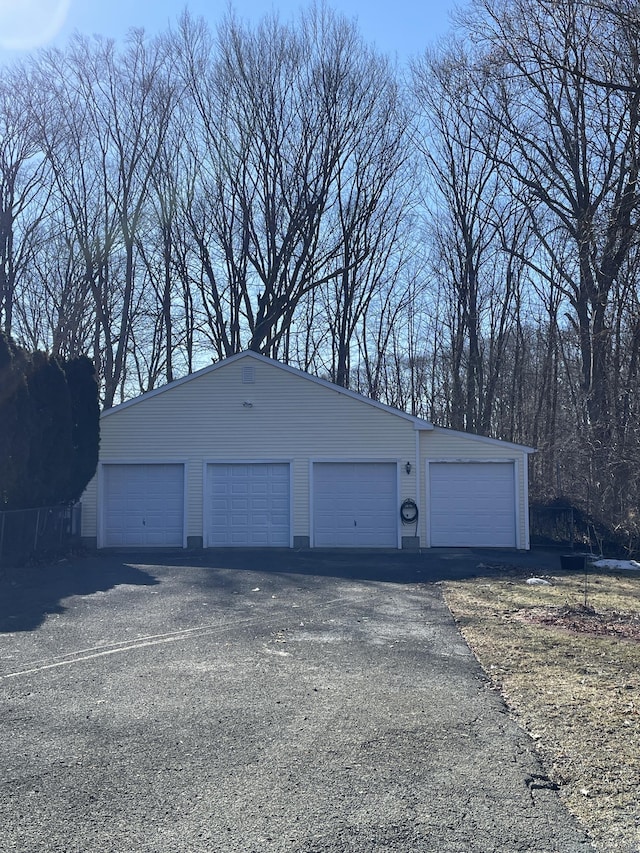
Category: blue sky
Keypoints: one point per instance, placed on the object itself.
(398, 27)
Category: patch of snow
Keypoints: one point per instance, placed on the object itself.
(629, 565)
(538, 582)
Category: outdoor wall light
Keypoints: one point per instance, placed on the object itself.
(407, 467)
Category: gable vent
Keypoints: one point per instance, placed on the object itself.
(248, 375)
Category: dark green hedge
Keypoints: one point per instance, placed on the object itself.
(49, 427)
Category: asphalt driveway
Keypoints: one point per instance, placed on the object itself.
(257, 703)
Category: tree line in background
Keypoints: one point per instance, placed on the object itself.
(458, 238)
(49, 433)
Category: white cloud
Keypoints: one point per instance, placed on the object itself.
(28, 24)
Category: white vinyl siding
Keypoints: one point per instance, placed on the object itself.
(472, 504)
(143, 505)
(290, 417)
(247, 504)
(355, 504)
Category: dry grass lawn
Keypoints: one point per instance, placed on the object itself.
(571, 676)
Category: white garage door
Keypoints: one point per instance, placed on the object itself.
(248, 505)
(472, 504)
(143, 505)
(355, 505)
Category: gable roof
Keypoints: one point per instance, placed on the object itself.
(485, 439)
(418, 423)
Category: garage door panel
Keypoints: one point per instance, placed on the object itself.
(236, 504)
(249, 504)
(355, 504)
(472, 504)
(143, 505)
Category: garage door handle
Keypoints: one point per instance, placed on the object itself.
(143, 522)
(355, 523)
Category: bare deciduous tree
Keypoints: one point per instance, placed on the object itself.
(296, 173)
(473, 222)
(23, 193)
(101, 118)
(574, 151)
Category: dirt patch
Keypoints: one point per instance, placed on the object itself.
(565, 655)
(581, 619)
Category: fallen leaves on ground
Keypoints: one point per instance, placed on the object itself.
(581, 619)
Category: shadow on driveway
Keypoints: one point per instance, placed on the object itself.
(29, 594)
(401, 567)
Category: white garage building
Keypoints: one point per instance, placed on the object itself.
(251, 452)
